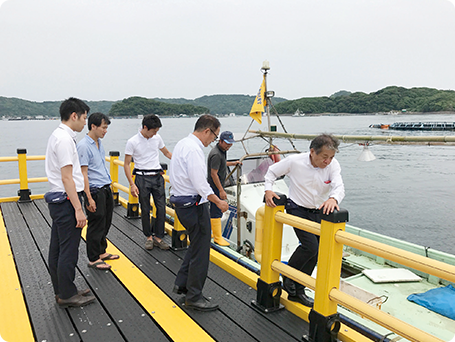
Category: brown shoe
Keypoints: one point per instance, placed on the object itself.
(161, 244)
(84, 292)
(149, 244)
(76, 300)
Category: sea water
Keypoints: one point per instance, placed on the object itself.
(407, 192)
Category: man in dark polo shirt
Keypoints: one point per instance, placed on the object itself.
(216, 175)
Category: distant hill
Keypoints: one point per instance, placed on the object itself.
(13, 107)
(341, 93)
(385, 100)
(222, 104)
(133, 106)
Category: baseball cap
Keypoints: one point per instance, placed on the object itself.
(227, 137)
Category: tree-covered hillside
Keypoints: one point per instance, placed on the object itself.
(134, 106)
(12, 107)
(222, 104)
(384, 100)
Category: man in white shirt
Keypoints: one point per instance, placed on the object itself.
(315, 185)
(190, 194)
(143, 149)
(65, 203)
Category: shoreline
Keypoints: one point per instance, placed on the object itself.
(376, 113)
(227, 115)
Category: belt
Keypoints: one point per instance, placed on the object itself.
(100, 187)
(149, 172)
(145, 173)
(311, 210)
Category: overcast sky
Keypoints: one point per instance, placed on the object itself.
(114, 49)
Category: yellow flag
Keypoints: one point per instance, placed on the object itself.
(258, 105)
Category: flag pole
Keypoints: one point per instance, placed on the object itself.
(265, 68)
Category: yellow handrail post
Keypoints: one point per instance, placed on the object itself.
(113, 169)
(132, 208)
(269, 284)
(24, 192)
(179, 235)
(324, 319)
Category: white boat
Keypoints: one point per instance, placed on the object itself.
(382, 284)
(245, 197)
(362, 272)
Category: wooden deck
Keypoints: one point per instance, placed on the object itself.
(134, 300)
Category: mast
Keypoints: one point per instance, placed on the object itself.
(265, 68)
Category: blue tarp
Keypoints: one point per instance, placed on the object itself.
(440, 300)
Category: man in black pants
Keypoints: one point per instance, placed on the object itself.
(190, 194)
(99, 199)
(64, 198)
(144, 149)
(315, 185)
(216, 175)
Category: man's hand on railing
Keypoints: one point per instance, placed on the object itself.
(329, 206)
(269, 196)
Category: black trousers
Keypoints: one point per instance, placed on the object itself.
(99, 223)
(152, 185)
(64, 248)
(305, 256)
(193, 272)
(215, 212)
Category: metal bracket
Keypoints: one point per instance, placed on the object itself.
(243, 214)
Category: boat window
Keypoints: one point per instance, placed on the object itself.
(253, 170)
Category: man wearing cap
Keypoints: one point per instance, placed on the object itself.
(216, 175)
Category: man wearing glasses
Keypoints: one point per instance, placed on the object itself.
(190, 194)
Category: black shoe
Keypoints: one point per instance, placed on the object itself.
(179, 290)
(289, 286)
(76, 300)
(302, 299)
(201, 305)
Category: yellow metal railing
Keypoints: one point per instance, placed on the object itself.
(327, 282)
(179, 238)
(177, 231)
(24, 193)
(332, 239)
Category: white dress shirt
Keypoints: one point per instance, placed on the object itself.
(61, 151)
(188, 170)
(309, 186)
(145, 152)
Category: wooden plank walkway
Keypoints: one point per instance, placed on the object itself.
(134, 300)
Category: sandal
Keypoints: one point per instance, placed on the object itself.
(99, 263)
(111, 257)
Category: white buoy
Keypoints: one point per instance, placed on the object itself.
(366, 154)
